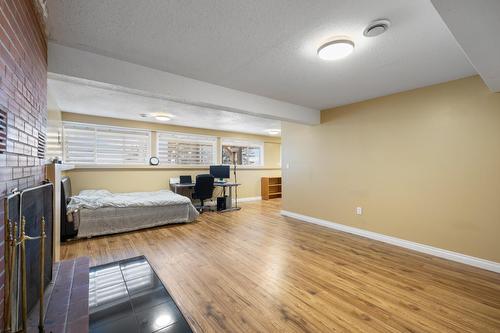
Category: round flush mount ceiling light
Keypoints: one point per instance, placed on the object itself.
(377, 28)
(158, 116)
(336, 49)
(162, 118)
(273, 131)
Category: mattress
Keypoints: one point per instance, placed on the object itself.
(110, 220)
(102, 212)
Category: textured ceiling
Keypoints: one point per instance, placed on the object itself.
(469, 20)
(82, 96)
(269, 47)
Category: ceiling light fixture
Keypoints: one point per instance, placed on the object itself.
(336, 49)
(273, 131)
(162, 118)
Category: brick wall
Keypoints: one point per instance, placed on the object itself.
(23, 93)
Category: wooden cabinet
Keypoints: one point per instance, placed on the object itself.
(270, 187)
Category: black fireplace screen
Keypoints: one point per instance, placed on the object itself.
(30, 205)
(35, 204)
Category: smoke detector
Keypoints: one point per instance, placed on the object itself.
(377, 27)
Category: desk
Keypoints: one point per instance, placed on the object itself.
(224, 185)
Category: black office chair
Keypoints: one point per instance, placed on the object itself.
(203, 189)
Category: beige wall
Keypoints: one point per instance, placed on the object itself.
(423, 164)
(155, 178)
(132, 180)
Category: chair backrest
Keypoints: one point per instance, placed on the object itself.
(68, 230)
(65, 190)
(204, 186)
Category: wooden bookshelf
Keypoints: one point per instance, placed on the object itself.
(270, 187)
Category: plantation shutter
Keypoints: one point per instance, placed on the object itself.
(186, 149)
(96, 144)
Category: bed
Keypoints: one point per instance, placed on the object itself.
(101, 212)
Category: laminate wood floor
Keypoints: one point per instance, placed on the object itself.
(256, 271)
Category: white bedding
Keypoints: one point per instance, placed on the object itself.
(93, 199)
(102, 212)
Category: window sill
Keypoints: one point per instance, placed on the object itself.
(160, 167)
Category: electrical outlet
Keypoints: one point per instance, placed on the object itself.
(359, 210)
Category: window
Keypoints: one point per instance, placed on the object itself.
(246, 152)
(54, 142)
(97, 144)
(186, 149)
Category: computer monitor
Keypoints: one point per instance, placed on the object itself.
(185, 179)
(220, 171)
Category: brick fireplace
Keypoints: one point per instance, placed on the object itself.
(23, 98)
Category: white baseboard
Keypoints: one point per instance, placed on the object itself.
(248, 199)
(450, 255)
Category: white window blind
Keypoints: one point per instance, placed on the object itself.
(54, 141)
(186, 149)
(246, 152)
(97, 144)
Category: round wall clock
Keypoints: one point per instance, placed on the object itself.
(154, 160)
